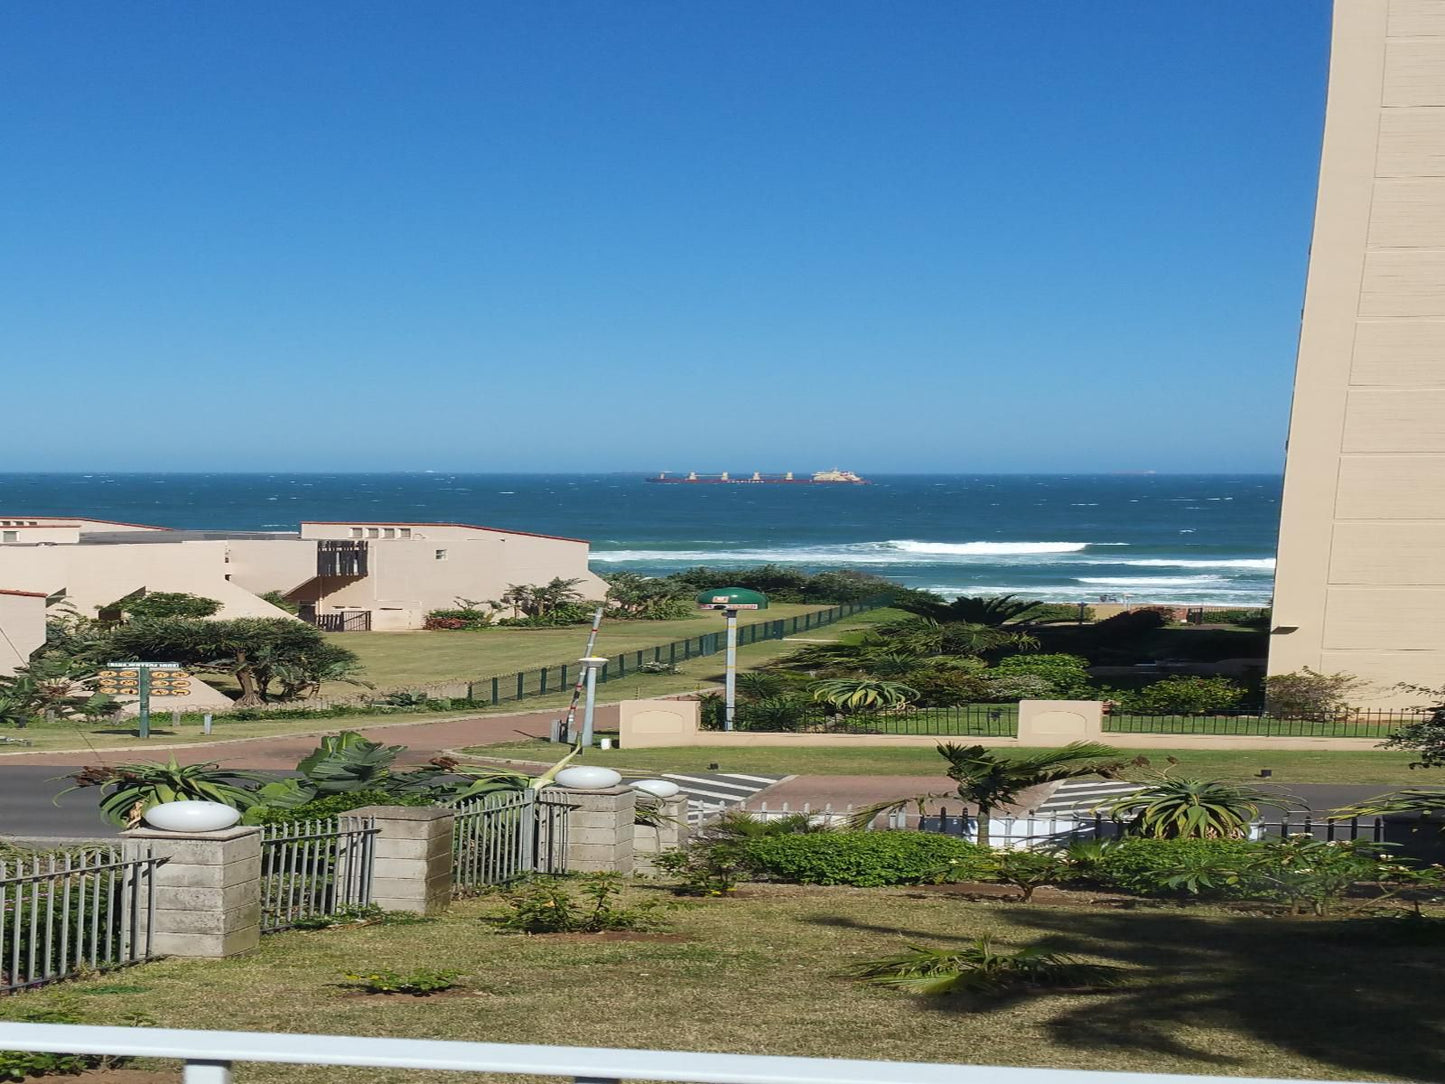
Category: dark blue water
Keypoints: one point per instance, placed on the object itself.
(1158, 538)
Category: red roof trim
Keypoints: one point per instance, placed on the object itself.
(61, 521)
(468, 526)
(24, 594)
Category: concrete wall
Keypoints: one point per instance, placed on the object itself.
(436, 564)
(52, 534)
(22, 628)
(653, 724)
(279, 564)
(1361, 572)
(96, 576)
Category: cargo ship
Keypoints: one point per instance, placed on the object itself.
(820, 478)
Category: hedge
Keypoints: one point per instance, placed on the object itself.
(864, 859)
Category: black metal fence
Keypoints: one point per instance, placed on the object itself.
(560, 677)
(966, 720)
(1351, 724)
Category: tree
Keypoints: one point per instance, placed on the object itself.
(926, 636)
(159, 605)
(248, 648)
(988, 779)
(990, 611)
(1425, 736)
(647, 598)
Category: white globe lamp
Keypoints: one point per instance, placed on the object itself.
(586, 777)
(191, 816)
(658, 788)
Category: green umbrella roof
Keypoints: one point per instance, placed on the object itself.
(732, 598)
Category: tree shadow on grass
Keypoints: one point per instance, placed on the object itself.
(1359, 995)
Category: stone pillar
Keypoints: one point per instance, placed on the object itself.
(670, 832)
(413, 866)
(208, 893)
(1059, 722)
(599, 828)
(648, 724)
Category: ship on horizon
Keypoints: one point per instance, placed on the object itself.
(833, 477)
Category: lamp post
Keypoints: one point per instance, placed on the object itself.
(730, 600)
(593, 663)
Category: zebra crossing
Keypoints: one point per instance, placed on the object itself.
(1078, 797)
(712, 791)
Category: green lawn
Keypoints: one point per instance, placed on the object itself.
(395, 659)
(1228, 764)
(1205, 991)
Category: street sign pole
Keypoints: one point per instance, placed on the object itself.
(144, 691)
(732, 669)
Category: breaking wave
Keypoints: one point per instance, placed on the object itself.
(905, 551)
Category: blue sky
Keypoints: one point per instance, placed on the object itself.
(931, 236)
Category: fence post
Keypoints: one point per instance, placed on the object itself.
(521, 683)
(496, 691)
(412, 867)
(207, 894)
(600, 829)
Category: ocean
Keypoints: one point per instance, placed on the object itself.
(1200, 539)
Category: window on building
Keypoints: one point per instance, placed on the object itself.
(405, 532)
(441, 555)
(388, 532)
(373, 532)
(356, 532)
(10, 536)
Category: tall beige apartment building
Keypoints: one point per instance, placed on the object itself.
(1361, 579)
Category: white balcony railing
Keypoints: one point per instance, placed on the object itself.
(209, 1055)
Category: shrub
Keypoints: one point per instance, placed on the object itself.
(1313, 874)
(332, 805)
(1011, 687)
(947, 688)
(1308, 694)
(548, 905)
(715, 860)
(419, 983)
(865, 859)
(1030, 870)
(460, 619)
(1175, 867)
(1067, 675)
(1053, 612)
(1250, 619)
(1131, 624)
(1183, 696)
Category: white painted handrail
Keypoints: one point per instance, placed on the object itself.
(208, 1056)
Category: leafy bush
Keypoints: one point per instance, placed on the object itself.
(1067, 675)
(332, 805)
(1308, 694)
(549, 905)
(1250, 619)
(865, 859)
(788, 584)
(1007, 688)
(1029, 870)
(1174, 867)
(658, 667)
(565, 613)
(1052, 612)
(938, 687)
(20, 1065)
(160, 605)
(419, 983)
(1183, 696)
(1311, 874)
(460, 619)
(713, 862)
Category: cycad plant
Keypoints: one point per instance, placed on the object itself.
(980, 968)
(988, 779)
(862, 694)
(131, 789)
(1195, 809)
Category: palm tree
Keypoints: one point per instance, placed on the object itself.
(978, 610)
(988, 779)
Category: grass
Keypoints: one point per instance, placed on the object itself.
(396, 659)
(692, 675)
(1239, 765)
(1206, 992)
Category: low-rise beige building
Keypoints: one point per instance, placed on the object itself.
(22, 627)
(1360, 586)
(355, 575)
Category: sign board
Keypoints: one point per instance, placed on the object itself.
(143, 680)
